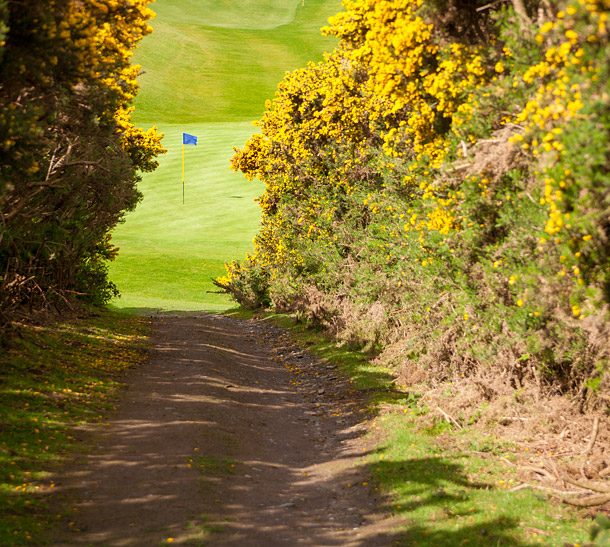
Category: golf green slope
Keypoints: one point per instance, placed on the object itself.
(208, 68)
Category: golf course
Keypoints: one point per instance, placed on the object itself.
(207, 70)
(265, 286)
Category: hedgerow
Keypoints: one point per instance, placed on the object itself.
(438, 190)
(70, 156)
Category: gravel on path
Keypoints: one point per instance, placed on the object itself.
(229, 435)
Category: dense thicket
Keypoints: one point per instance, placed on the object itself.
(69, 154)
(439, 190)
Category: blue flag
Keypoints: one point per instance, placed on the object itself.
(188, 139)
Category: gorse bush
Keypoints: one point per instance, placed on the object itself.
(70, 157)
(438, 189)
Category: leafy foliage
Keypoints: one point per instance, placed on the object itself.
(437, 189)
(69, 154)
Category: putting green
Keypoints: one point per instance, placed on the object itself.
(169, 251)
(208, 68)
(245, 14)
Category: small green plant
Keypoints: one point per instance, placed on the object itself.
(215, 466)
(600, 530)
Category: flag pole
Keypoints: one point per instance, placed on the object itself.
(183, 172)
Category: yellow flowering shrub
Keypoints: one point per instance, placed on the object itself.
(70, 155)
(566, 129)
(443, 175)
(411, 75)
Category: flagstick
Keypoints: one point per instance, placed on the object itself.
(182, 173)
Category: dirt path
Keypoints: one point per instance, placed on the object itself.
(229, 435)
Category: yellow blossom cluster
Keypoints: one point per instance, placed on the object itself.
(414, 81)
(317, 114)
(103, 34)
(92, 42)
(557, 124)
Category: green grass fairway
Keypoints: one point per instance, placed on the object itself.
(219, 60)
(208, 68)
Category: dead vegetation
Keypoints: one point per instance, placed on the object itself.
(557, 449)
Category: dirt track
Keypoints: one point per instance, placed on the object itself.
(229, 435)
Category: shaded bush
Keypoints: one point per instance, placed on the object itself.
(70, 157)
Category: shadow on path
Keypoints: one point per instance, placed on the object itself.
(217, 442)
(452, 517)
(230, 435)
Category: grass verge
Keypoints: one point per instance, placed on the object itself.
(51, 378)
(449, 487)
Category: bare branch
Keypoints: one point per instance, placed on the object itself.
(589, 486)
(450, 419)
(590, 501)
(491, 5)
(593, 438)
(546, 489)
(520, 10)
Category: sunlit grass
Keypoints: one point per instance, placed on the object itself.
(220, 61)
(171, 250)
(207, 69)
(462, 497)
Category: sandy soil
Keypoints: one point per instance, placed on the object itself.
(229, 435)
